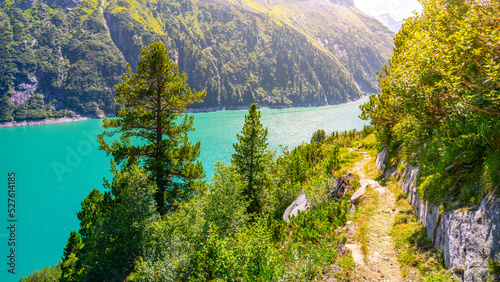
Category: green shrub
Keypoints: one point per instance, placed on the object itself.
(314, 225)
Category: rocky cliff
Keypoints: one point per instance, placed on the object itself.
(469, 238)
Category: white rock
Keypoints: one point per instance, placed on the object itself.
(469, 238)
(300, 204)
(379, 162)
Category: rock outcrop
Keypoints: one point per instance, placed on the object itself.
(300, 204)
(469, 238)
(380, 161)
(362, 189)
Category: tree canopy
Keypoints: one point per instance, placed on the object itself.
(440, 98)
(150, 102)
(251, 156)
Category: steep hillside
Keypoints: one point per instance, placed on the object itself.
(275, 53)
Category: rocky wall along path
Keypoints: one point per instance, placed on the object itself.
(469, 238)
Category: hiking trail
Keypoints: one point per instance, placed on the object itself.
(380, 262)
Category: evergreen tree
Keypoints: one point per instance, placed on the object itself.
(94, 207)
(150, 101)
(73, 246)
(70, 265)
(318, 136)
(251, 156)
(6, 109)
(116, 239)
(21, 111)
(37, 108)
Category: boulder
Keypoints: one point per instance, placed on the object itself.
(362, 190)
(300, 204)
(358, 194)
(379, 163)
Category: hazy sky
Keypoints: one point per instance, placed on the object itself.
(399, 9)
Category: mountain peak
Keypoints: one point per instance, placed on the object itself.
(349, 3)
(389, 22)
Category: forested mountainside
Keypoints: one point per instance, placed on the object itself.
(61, 57)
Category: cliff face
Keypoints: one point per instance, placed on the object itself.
(469, 238)
(275, 53)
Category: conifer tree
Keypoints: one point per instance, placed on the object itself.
(6, 109)
(251, 156)
(150, 101)
(71, 265)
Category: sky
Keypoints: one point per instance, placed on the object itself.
(399, 9)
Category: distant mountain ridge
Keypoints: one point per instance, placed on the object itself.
(389, 22)
(273, 52)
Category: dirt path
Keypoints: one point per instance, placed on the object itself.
(381, 262)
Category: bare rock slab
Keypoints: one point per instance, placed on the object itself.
(300, 204)
(380, 161)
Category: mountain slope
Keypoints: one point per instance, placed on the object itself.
(275, 53)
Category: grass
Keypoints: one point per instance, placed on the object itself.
(371, 170)
(346, 265)
(363, 215)
(418, 260)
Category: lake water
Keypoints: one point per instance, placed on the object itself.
(56, 166)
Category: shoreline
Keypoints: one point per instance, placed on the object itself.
(190, 111)
(239, 108)
(41, 122)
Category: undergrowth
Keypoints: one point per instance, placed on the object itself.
(418, 260)
(363, 216)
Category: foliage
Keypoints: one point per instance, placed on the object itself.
(211, 235)
(47, 274)
(439, 101)
(494, 267)
(59, 54)
(248, 254)
(313, 226)
(94, 206)
(253, 254)
(333, 162)
(414, 247)
(251, 157)
(226, 202)
(116, 238)
(70, 262)
(318, 136)
(6, 109)
(150, 101)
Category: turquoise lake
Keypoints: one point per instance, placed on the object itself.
(56, 166)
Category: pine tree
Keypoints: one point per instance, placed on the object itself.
(318, 136)
(6, 109)
(116, 239)
(150, 101)
(70, 263)
(251, 156)
(73, 245)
